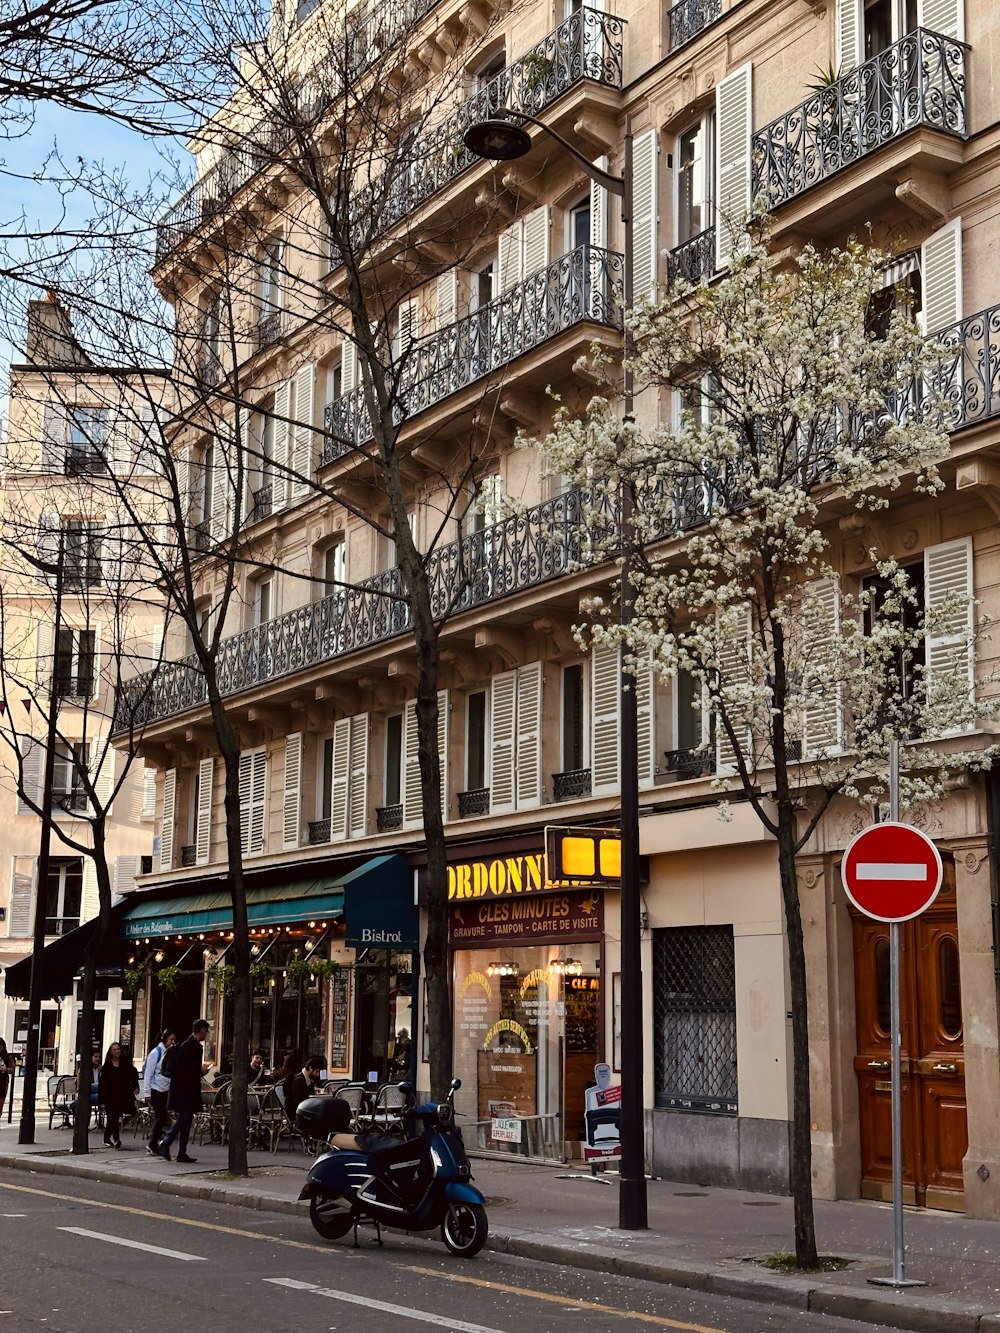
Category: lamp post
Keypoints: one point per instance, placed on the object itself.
(504, 138)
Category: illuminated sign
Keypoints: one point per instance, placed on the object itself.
(499, 877)
(579, 856)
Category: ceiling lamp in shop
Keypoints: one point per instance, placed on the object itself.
(503, 969)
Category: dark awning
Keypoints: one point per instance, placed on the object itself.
(379, 909)
(269, 904)
(63, 958)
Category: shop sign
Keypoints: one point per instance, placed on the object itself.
(498, 877)
(569, 917)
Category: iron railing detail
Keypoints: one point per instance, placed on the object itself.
(691, 763)
(918, 81)
(262, 504)
(584, 285)
(688, 19)
(189, 855)
(319, 831)
(573, 783)
(475, 802)
(694, 1019)
(388, 818)
(693, 259)
(268, 328)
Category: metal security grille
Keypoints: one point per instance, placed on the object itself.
(694, 1015)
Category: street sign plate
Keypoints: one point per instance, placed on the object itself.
(891, 872)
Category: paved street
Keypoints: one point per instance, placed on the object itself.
(115, 1259)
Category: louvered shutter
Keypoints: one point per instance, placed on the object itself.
(509, 261)
(447, 298)
(948, 592)
(182, 480)
(537, 226)
(503, 711)
(407, 326)
(203, 813)
(291, 817)
(47, 547)
(282, 444)
(167, 819)
(944, 16)
(605, 719)
(733, 126)
(357, 791)
(528, 764)
(98, 671)
(44, 654)
(125, 872)
(148, 808)
(850, 46)
(118, 452)
(221, 487)
(823, 713)
(250, 460)
(444, 745)
(348, 368)
(644, 215)
(340, 773)
(52, 456)
(413, 804)
(941, 277)
(32, 757)
(733, 653)
(258, 804)
(305, 389)
(645, 698)
(20, 919)
(597, 286)
(149, 441)
(102, 772)
(90, 903)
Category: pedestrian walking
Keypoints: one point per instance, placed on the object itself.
(6, 1069)
(116, 1090)
(155, 1086)
(187, 1065)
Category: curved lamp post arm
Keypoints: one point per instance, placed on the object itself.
(613, 184)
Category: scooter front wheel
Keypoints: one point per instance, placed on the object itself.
(331, 1215)
(465, 1228)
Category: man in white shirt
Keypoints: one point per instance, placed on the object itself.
(155, 1086)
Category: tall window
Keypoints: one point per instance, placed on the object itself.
(270, 278)
(263, 601)
(394, 759)
(81, 561)
(572, 718)
(75, 666)
(70, 767)
(334, 568)
(475, 743)
(579, 224)
(694, 180)
(63, 895)
(694, 1018)
(86, 440)
(326, 780)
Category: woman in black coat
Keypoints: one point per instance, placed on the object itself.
(116, 1092)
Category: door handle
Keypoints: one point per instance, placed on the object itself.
(878, 1064)
(945, 1069)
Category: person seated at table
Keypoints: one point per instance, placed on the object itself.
(302, 1085)
(257, 1073)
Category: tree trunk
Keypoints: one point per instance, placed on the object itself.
(88, 994)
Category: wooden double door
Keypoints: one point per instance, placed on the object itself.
(935, 1130)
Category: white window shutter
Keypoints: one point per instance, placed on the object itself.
(221, 490)
(282, 444)
(148, 808)
(149, 441)
(733, 125)
(733, 653)
(348, 368)
(357, 790)
(823, 714)
(90, 903)
(20, 919)
(413, 804)
(644, 215)
(605, 719)
(599, 208)
(948, 591)
(258, 803)
(98, 672)
(941, 276)
(645, 698)
(53, 450)
(182, 480)
(305, 392)
(203, 813)
(444, 747)
(291, 817)
(102, 771)
(528, 762)
(944, 16)
(32, 759)
(509, 259)
(340, 775)
(125, 872)
(44, 654)
(850, 44)
(118, 451)
(447, 298)
(537, 228)
(503, 713)
(167, 814)
(47, 547)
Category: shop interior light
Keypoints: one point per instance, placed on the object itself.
(568, 967)
(158, 955)
(504, 968)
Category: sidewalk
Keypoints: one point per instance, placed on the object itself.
(701, 1238)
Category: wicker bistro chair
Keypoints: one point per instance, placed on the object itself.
(61, 1091)
(388, 1113)
(285, 1128)
(357, 1097)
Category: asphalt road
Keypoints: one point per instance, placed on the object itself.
(84, 1257)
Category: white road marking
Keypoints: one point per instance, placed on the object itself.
(12, 1215)
(424, 1316)
(908, 870)
(133, 1244)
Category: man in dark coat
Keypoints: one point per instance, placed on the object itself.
(186, 1070)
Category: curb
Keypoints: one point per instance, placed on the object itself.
(933, 1315)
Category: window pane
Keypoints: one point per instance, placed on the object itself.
(572, 718)
(393, 759)
(476, 745)
(951, 991)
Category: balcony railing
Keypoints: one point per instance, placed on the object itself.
(694, 259)
(687, 20)
(475, 802)
(262, 504)
(369, 32)
(584, 285)
(918, 81)
(189, 855)
(575, 782)
(319, 832)
(388, 818)
(268, 328)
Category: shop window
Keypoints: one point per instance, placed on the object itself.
(694, 1018)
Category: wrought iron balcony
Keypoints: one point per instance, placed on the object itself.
(388, 818)
(918, 81)
(262, 504)
(684, 764)
(582, 286)
(369, 32)
(687, 20)
(693, 259)
(268, 328)
(319, 832)
(572, 784)
(475, 802)
(189, 855)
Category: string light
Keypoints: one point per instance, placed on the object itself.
(503, 968)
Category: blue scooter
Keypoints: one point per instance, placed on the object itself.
(416, 1184)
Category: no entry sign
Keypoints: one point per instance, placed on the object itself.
(891, 872)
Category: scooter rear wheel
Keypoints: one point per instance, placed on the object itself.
(465, 1228)
(331, 1215)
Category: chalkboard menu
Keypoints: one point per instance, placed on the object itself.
(339, 1010)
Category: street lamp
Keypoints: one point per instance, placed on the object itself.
(504, 138)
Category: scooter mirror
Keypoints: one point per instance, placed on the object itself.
(456, 1083)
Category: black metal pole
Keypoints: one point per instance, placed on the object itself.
(29, 1090)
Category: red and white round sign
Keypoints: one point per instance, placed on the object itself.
(892, 872)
